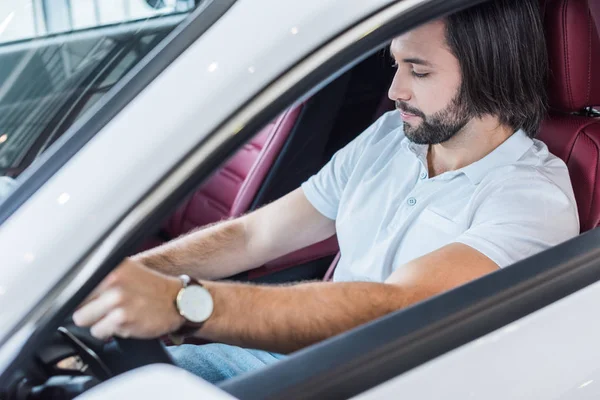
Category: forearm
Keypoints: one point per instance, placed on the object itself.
(286, 318)
(210, 253)
(231, 247)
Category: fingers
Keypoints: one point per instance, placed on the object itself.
(132, 300)
(113, 324)
(110, 281)
(94, 310)
(118, 277)
(92, 296)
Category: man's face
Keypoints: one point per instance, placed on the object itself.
(427, 86)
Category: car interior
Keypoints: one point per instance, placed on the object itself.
(303, 138)
(281, 156)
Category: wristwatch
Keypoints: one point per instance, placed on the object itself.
(195, 304)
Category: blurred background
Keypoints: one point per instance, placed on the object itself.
(26, 19)
(58, 58)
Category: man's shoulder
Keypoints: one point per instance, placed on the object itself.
(536, 164)
(538, 178)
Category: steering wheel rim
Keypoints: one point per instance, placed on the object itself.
(117, 355)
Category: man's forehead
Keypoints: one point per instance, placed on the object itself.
(423, 41)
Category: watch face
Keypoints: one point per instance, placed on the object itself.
(195, 303)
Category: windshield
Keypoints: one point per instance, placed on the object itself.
(56, 62)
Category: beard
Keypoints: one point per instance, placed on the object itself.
(441, 126)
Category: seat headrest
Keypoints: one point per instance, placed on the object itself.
(574, 55)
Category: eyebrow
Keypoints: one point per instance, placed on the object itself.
(418, 61)
(411, 60)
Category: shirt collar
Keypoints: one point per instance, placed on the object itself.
(420, 150)
(507, 153)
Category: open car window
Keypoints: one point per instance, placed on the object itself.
(22, 20)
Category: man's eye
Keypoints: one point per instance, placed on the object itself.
(417, 75)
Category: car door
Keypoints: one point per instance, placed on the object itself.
(420, 344)
(160, 130)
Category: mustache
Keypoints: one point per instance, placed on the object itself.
(402, 106)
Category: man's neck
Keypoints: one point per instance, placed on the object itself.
(476, 140)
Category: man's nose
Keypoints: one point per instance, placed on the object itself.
(399, 90)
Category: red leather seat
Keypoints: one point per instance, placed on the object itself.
(571, 131)
(231, 190)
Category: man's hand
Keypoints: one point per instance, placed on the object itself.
(133, 301)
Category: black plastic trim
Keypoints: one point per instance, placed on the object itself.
(99, 115)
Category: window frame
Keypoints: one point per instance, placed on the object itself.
(18, 346)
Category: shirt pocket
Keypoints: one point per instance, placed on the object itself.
(428, 232)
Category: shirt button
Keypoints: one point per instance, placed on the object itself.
(412, 201)
(423, 175)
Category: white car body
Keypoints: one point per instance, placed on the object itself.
(241, 64)
(217, 66)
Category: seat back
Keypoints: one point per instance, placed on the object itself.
(571, 131)
(231, 190)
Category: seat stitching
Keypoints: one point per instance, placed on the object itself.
(254, 146)
(566, 53)
(230, 173)
(211, 199)
(589, 84)
(584, 126)
(589, 213)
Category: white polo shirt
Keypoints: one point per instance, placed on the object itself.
(513, 203)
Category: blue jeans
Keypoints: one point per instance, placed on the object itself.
(216, 362)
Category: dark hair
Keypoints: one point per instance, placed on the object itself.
(504, 65)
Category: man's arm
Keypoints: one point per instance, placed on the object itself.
(285, 319)
(138, 302)
(238, 245)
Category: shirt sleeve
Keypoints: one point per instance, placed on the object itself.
(518, 218)
(324, 189)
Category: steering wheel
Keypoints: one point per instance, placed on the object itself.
(104, 359)
(45, 378)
